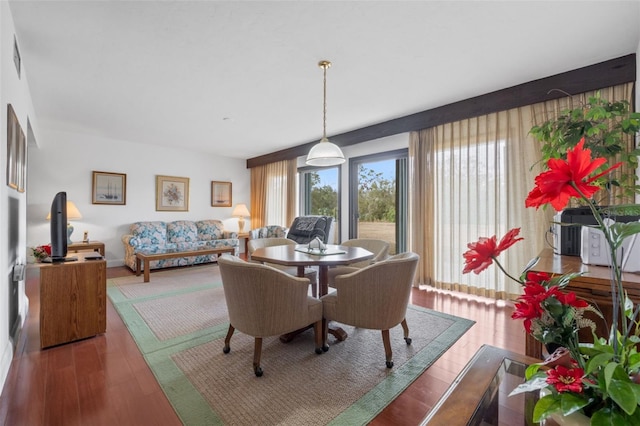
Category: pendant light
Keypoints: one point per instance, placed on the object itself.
(325, 153)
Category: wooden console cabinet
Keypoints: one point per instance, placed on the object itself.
(594, 287)
(73, 300)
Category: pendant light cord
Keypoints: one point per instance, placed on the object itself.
(324, 65)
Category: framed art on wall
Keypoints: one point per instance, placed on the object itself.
(16, 152)
(220, 194)
(109, 188)
(172, 193)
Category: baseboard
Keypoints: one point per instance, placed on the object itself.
(5, 362)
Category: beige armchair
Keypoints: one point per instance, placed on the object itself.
(379, 248)
(309, 273)
(263, 301)
(374, 297)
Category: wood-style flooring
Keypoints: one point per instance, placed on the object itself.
(105, 381)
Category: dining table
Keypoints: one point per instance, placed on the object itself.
(302, 256)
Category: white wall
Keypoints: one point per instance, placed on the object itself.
(65, 161)
(14, 90)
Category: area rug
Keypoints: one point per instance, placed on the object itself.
(179, 322)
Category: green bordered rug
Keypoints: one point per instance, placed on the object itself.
(179, 322)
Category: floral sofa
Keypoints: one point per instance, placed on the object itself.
(158, 236)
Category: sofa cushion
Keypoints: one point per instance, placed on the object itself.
(148, 233)
(182, 231)
(210, 230)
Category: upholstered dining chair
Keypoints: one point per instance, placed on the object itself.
(309, 273)
(379, 248)
(374, 297)
(263, 301)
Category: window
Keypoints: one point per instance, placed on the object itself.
(378, 198)
(320, 194)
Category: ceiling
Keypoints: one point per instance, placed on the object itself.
(241, 77)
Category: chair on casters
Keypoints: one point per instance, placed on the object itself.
(263, 301)
(379, 248)
(374, 297)
(309, 273)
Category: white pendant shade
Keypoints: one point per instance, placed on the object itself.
(325, 153)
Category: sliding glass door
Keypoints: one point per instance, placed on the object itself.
(320, 194)
(378, 198)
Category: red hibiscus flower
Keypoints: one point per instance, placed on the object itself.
(47, 248)
(481, 253)
(537, 277)
(529, 306)
(572, 300)
(566, 379)
(555, 185)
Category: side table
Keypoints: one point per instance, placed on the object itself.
(73, 300)
(92, 245)
(244, 236)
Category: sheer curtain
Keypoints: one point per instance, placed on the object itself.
(469, 179)
(273, 194)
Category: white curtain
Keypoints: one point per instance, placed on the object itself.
(469, 179)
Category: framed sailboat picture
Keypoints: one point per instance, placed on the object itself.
(109, 188)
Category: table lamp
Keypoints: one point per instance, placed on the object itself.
(72, 213)
(241, 211)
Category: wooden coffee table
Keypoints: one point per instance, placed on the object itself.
(144, 258)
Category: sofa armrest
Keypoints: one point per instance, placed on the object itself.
(130, 240)
(230, 234)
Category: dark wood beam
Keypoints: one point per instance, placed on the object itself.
(593, 77)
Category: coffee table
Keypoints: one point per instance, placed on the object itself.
(289, 255)
(478, 396)
(144, 258)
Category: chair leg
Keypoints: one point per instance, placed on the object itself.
(318, 333)
(405, 327)
(387, 348)
(257, 353)
(325, 333)
(227, 340)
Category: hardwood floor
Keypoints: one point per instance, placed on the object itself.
(105, 381)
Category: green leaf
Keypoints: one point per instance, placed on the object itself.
(571, 402)
(598, 361)
(531, 370)
(622, 393)
(544, 407)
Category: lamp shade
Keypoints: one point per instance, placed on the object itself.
(241, 210)
(72, 211)
(325, 153)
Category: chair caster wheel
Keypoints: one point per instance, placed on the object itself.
(408, 340)
(318, 351)
(325, 348)
(258, 371)
(389, 364)
(226, 349)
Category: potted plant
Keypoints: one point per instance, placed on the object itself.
(597, 380)
(605, 127)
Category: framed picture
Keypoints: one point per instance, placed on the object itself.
(17, 61)
(220, 194)
(172, 193)
(16, 152)
(109, 188)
